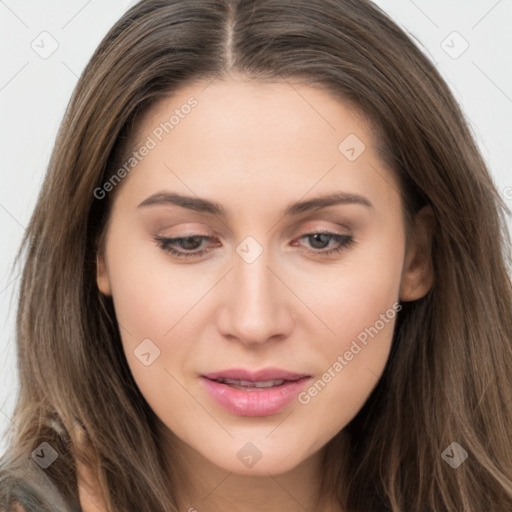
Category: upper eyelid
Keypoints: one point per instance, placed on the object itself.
(211, 233)
(298, 236)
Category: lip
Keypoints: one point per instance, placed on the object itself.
(256, 376)
(254, 401)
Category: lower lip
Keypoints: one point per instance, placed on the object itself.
(255, 401)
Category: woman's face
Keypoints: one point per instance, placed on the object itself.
(214, 268)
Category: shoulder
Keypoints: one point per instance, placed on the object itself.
(16, 495)
(13, 495)
(16, 507)
(28, 491)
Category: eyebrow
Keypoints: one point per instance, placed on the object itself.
(211, 207)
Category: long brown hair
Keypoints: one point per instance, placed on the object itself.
(448, 378)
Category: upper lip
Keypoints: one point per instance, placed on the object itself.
(262, 375)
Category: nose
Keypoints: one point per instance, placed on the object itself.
(258, 304)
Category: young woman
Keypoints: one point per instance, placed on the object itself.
(268, 270)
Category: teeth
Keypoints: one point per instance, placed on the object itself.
(250, 384)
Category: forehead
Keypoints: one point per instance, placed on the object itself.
(241, 134)
(238, 110)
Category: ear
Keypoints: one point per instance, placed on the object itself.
(102, 279)
(418, 273)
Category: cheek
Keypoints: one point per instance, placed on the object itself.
(154, 300)
(360, 308)
(353, 295)
(151, 294)
(153, 322)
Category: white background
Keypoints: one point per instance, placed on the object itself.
(34, 92)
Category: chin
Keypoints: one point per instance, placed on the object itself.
(257, 458)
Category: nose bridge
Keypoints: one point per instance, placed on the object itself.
(253, 281)
(255, 307)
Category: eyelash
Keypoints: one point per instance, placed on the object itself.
(166, 244)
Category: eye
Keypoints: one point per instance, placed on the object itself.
(321, 240)
(187, 243)
(190, 246)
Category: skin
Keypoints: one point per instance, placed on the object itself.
(255, 148)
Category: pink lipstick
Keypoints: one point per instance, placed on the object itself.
(259, 393)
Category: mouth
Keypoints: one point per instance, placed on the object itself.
(247, 385)
(261, 393)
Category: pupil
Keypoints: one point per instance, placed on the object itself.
(316, 238)
(186, 242)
